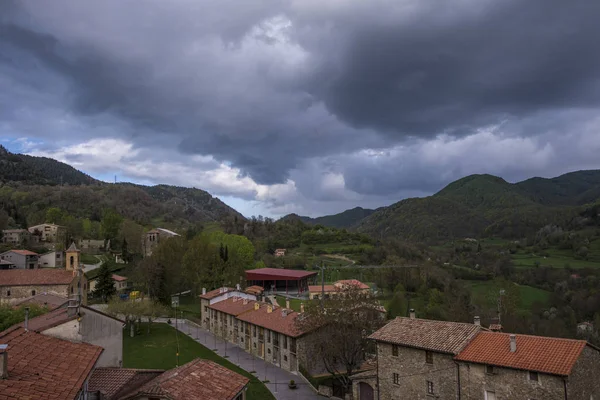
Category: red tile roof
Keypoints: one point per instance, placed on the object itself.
(318, 288)
(32, 277)
(118, 278)
(233, 306)
(352, 282)
(554, 356)
(255, 289)
(24, 252)
(196, 380)
(49, 320)
(42, 367)
(274, 320)
(214, 293)
(277, 274)
(440, 336)
(114, 383)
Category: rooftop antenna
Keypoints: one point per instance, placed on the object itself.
(115, 179)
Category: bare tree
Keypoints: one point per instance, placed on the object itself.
(340, 329)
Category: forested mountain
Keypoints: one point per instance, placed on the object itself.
(29, 186)
(485, 205)
(345, 219)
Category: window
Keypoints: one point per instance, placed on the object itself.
(284, 358)
(489, 369)
(395, 350)
(72, 290)
(33, 292)
(269, 351)
(268, 336)
(285, 342)
(429, 357)
(254, 345)
(396, 378)
(429, 387)
(533, 376)
(8, 293)
(489, 395)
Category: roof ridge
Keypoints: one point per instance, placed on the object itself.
(537, 336)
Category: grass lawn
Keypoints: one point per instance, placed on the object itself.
(88, 258)
(190, 307)
(158, 350)
(556, 259)
(294, 303)
(483, 292)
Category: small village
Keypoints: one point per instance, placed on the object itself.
(76, 350)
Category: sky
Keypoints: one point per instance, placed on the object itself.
(305, 106)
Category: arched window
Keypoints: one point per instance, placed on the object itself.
(72, 261)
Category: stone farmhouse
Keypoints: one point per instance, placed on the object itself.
(36, 366)
(49, 233)
(153, 237)
(77, 323)
(217, 295)
(198, 379)
(496, 366)
(415, 357)
(338, 288)
(426, 359)
(19, 284)
(21, 259)
(16, 236)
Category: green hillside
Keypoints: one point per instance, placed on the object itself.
(485, 205)
(345, 219)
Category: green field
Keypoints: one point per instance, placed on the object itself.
(485, 293)
(88, 259)
(294, 303)
(555, 259)
(158, 351)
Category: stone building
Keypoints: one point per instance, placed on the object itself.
(338, 288)
(153, 237)
(19, 284)
(415, 357)
(21, 259)
(262, 329)
(502, 366)
(217, 295)
(50, 233)
(16, 236)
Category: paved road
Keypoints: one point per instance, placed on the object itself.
(277, 377)
(90, 267)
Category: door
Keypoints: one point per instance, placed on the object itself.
(365, 391)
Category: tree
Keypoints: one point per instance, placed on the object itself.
(133, 234)
(340, 330)
(125, 251)
(105, 286)
(398, 306)
(54, 215)
(111, 222)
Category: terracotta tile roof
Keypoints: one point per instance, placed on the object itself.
(255, 289)
(214, 293)
(22, 252)
(118, 278)
(440, 336)
(233, 306)
(49, 320)
(51, 301)
(274, 320)
(196, 380)
(42, 367)
(352, 282)
(114, 383)
(534, 353)
(277, 274)
(30, 277)
(317, 288)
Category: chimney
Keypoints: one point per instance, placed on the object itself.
(287, 304)
(412, 313)
(203, 290)
(220, 290)
(269, 309)
(245, 301)
(26, 319)
(256, 306)
(3, 361)
(237, 286)
(284, 312)
(72, 308)
(477, 320)
(301, 307)
(513, 343)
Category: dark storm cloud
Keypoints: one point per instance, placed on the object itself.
(268, 86)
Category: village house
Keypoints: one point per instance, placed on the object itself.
(21, 259)
(153, 237)
(120, 283)
(78, 323)
(198, 379)
(415, 357)
(5, 264)
(19, 284)
(338, 288)
(50, 233)
(16, 237)
(36, 366)
(265, 330)
(217, 295)
(502, 366)
(48, 300)
(52, 259)
(279, 252)
(93, 246)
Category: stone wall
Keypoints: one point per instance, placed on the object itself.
(584, 381)
(414, 373)
(18, 293)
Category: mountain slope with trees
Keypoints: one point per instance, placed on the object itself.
(345, 219)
